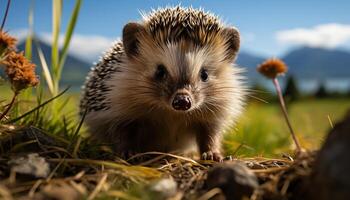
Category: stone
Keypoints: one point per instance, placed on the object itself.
(331, 173)
(164, 188)
(233, 178)
(31, 165)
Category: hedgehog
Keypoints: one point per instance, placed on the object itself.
(169, 85)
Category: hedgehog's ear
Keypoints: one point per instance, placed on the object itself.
(232, 42)
(131, 31)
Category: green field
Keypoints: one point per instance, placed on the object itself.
(261, 129)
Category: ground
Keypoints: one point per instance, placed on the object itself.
(94, 172)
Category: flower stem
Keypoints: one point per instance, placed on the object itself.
(9, 106)
(5, 15)
(283, 107)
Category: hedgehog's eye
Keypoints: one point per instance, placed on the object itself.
(161, 73)
(204, 75)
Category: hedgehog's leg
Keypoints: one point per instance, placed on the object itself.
(208, 140)
(125, 145)
(124, 150)
(109, 134)
(129, 140)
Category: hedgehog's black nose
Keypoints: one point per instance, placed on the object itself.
(182, 102)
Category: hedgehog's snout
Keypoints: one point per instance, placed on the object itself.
(182, 101)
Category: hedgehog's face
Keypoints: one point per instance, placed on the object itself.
(180, 75)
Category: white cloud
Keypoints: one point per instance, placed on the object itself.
(87, 47)
(20, 34)
(325, 35)
(248, 37)
(84, 46)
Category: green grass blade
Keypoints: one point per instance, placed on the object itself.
(68, 37)
(76, 137)
(38, 107)
(56, 25)
(45, 68)
(25, 95)
(29, 39)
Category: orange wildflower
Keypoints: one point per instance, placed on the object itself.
(272, 68)
(6, 42)
(20, 71)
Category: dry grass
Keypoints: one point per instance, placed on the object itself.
(99, 174)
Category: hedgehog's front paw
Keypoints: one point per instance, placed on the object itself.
(210, 155)
(125, 155)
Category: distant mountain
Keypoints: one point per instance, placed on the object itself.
(303, 63)
(249, 62)
(307, 62)
(74, 70)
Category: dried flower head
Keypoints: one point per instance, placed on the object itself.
(20, 71)
(6, 42)
(272, 68)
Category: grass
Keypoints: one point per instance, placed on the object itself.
(262, 129)
(95, 173)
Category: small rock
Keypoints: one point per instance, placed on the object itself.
(59, 191)
(31, 164)
(331, 173)
(233, 178)
(166, 187)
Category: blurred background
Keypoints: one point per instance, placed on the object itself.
(311, 37)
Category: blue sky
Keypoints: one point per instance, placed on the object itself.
(268, 28)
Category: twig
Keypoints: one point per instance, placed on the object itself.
(237, 149)
(121, 195)
(34, 188)
(5, 193)
(330, 121)
(283, 107)
(9, 106)
(270, 170)
(167, 154)
(98, 187)
(147, 171)
(210, 194)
